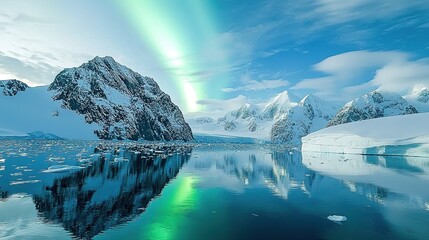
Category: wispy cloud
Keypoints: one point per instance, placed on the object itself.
(388, 70)
(254, 85)
(402, 76)
(338, 11)
(217, 108)
(228, 104)
(31, 73)
(342, 69)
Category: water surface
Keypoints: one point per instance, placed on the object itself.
(207, 192)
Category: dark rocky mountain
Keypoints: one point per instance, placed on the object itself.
(12, 87)
(372, 105)
(125, 104)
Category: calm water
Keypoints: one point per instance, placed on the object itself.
(207, 192)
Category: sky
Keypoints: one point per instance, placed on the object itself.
(212, 55)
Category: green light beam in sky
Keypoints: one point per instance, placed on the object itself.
(174, 30)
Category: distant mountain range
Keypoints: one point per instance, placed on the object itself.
(286, 119)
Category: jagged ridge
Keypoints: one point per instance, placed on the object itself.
(12, 87)
(125, 104)
(372, 105)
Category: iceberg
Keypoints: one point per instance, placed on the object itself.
(61, 168)
(337, 218)
(405, 135)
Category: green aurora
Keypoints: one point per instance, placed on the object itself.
(176, 30)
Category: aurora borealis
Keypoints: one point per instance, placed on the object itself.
(173, 35)
(213, 53)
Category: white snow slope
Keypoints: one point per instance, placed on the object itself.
(397, 135)
(35, 110)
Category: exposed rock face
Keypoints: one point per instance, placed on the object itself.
(309, 115)
(257, 119)
(373, 105)
(423, 96)
(125, 104)
(279, 106)
(246, 114)
(12, 87)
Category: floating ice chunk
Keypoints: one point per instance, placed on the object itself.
(2, 160)
(24, 182)
(61, 168)
(56, 159)
(337, 218)
(120, 159)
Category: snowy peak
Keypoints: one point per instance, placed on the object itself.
(419, 98)
(284, 98)
(308, 115)
(373, 105)
(105, 71)
(245, 111)
(125, 104)
(279, 106)
(423, 96)
(419, 94)
(284, 119)
(12, 87)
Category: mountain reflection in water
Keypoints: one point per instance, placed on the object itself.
(249, 191)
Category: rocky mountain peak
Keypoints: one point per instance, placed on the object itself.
(373, 105)
(310, 99)
(124, 103)
(309, 114)
(279, 106)
(423, 95)
(12, 86)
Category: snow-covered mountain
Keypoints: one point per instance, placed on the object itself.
(419, 98)
(100, 99)
(125, 104)
(249, 120)
(12, 87)
(279, 106)
(282, 119)
(308, 115)
(373, 105)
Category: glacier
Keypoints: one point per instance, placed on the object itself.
(397, 135)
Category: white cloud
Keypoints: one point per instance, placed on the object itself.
(387, 70)
(402, 77)
(339, 11)
(322, 83)
(30, 72)
(254, 85)
(216, 108)
(343, 69)
(349, 63)
(228, 104)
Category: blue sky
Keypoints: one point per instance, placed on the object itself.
(211, 55)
